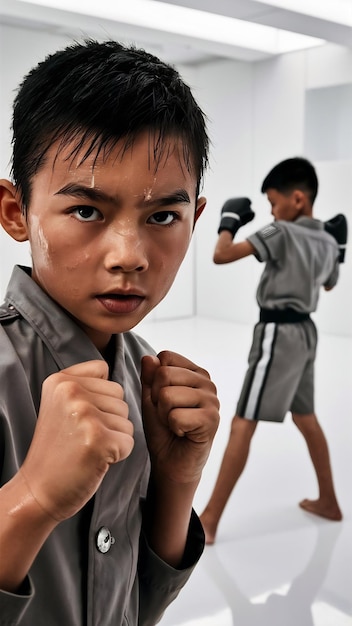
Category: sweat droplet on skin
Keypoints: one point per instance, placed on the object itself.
(148, 192)
(41, 239)
(28, 497)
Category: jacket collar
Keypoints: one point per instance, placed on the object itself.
(310, 222)
(67, 342)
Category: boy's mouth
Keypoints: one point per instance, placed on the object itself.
(119, 303)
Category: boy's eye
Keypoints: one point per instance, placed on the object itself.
(86, 214)
(164, 218)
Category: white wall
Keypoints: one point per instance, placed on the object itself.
(20, 49)
(256, 117)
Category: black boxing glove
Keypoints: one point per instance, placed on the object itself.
(337, 227)
(235, 213)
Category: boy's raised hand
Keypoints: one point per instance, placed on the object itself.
(180, 414)
(236, 212)
(82, 428)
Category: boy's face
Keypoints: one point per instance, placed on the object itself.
(107, 241)
(285, 207)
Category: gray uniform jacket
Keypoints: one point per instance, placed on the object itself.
(95, 569)
(300, 257)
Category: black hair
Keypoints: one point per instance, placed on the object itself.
(96, 94)
(291, 174)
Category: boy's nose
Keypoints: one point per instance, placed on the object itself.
(126, 252)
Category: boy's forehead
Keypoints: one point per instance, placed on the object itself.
(275, 193)
(135, 167)
(146, 148)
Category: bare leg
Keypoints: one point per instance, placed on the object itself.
(232, 466)
(326, 505)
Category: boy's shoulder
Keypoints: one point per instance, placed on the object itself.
(302, 227)
(305, 221)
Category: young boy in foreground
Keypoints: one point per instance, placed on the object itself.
(300, 257)
(102, 442)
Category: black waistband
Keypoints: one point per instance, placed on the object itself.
(283, 316)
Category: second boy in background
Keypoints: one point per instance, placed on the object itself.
(300, 257)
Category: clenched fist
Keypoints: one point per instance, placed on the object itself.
(180, 414)
(82, 428)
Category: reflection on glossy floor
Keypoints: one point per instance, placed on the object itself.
(272, 564)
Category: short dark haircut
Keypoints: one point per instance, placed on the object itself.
(291, 174)
(96, 94)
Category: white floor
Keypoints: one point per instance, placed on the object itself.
(272, 564)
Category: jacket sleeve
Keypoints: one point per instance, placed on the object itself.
(268, 242)
(13, 606)
(333, 278)
(159, 583)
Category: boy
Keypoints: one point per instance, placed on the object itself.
(300, 257)
(102, 442)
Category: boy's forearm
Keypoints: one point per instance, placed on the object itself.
(169, 508)
(24, 527)
(227, 251)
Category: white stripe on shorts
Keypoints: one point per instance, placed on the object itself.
(260, 371)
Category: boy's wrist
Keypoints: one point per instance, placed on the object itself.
(24, 527)
(169, 510)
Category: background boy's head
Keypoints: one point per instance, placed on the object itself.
(291, 187)
(96, 94)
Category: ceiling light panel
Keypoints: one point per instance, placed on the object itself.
(188, 22)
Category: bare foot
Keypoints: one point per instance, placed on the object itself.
(209, 530)
(317, 507)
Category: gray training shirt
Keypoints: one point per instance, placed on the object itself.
(300, 257)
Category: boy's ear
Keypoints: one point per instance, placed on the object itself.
(11, 216)
(201, 202)
(300, 198)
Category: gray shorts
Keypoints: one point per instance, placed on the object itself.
(280, 374)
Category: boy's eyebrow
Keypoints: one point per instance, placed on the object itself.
(85, 193)
(178, 197)
(97, 195)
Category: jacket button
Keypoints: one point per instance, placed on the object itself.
(104, 539)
